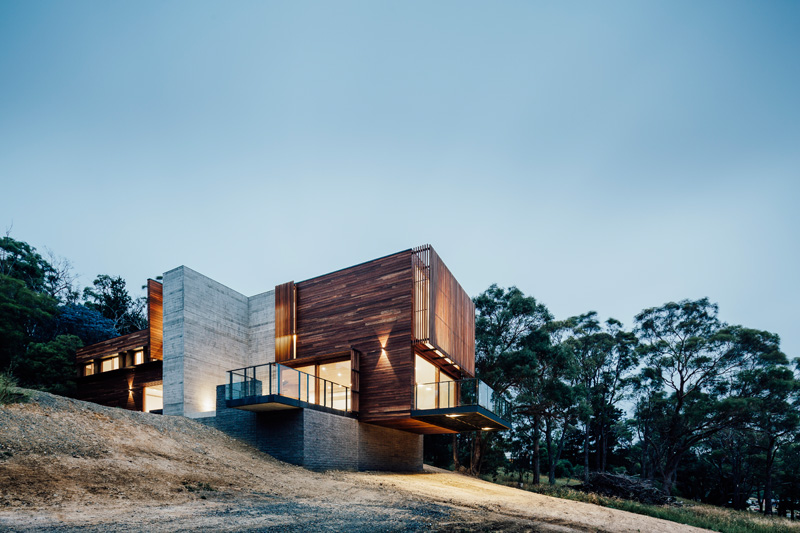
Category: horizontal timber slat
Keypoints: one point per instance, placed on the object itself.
(368, 308)
(112, 346)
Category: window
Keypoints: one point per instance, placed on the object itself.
(330, 393)
(88, 369)
(138, 357)
(425, 378)
(153, 398)
(109, 364)
(435, 389)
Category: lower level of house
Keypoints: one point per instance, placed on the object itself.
(319, 438)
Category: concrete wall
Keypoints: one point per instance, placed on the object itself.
(208, 330)
(320, 440)
(262, 328)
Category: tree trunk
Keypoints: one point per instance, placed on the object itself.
(768, 477)
(586, 453)
(603, 443)
(474, 466)
(537, 469)
(561, 441)
(456, 464)
(669, 473)
(551, 463)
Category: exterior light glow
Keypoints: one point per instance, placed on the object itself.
(429, 345)
(452, 416)
(440, 354)
(487, 429)
(448, 360)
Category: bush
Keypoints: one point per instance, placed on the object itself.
(564, 468)
(9, 393)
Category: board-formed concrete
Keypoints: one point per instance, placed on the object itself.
(210, 329)
(261, 308)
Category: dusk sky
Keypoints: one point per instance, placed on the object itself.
(605, 156)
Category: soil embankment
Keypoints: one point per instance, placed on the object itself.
(67, 465)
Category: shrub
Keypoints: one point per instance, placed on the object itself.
(9, 393)
(564, 468)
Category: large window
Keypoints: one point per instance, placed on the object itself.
(88, 369)
(107, 365)
(330, 393)
(138, 357)
(153, 398)
(434, 388)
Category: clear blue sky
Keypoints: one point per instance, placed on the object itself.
(605, 156)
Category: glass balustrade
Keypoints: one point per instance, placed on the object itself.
(449, 394)
(281, 380)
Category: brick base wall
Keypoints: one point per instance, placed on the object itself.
(319, 440)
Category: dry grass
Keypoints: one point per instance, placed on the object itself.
(691, 513)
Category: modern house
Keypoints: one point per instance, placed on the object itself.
(345, 370)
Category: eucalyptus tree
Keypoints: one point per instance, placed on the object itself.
(509, 334)
(689, 362)
(604, 357)
(771, 392)
(543, 393)
(109, 296)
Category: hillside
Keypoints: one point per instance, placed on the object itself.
(67, 465)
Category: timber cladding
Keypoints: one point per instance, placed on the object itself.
(368, 308)
(122, 388)
(285, 321)
(137, 339)
(155, 318)
(453, 316)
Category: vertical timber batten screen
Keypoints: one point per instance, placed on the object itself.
(285, 321)
(420, 264)
(444, 315)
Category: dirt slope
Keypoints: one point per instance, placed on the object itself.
(67, 465)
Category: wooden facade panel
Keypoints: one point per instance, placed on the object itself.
(367, 308)
(285, 321)
(111, 346)
(452, 316)
(122, 388)
(155, 318)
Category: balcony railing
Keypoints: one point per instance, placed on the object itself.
(280, 380)
(461, 393)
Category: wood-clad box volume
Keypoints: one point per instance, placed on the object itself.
(366, 308)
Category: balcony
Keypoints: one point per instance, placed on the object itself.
(274, 386)
(463, 405)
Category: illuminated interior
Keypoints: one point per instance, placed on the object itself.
(322, 392)
(138, 357)
(88, 369)
(308, 384)
(153, 398)
(106, 365)
(434, 388)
